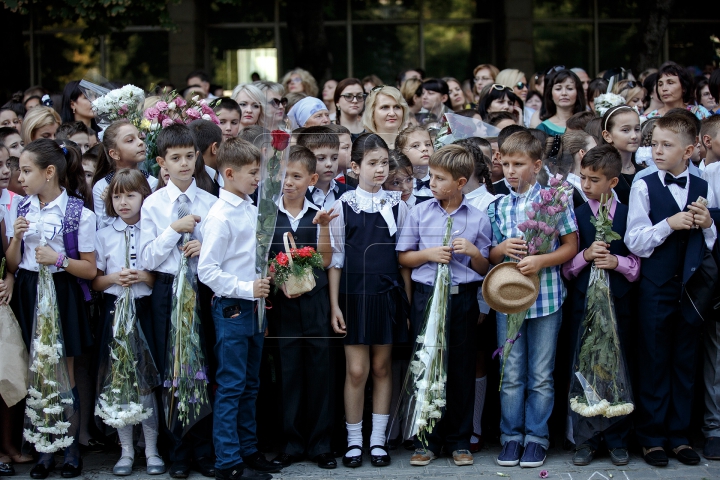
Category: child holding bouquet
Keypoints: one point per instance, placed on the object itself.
(527, 394)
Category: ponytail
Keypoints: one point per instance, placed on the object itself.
(480, 161)
(202, 178)
(74, 181)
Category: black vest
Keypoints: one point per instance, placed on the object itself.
(305, 235)
(339, 189)
(619, 285)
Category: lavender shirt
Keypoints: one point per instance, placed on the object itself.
(425, 227)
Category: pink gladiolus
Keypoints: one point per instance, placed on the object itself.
(535, 206)
(167, 122)
(531, 215)
(531, 249)
(180, 102)
(546, 195)
(537, 241)
(532, 224)
(162, 106)
(543, 209)
(152, 113)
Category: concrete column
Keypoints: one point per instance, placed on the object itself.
(519, 35)
(187, 42)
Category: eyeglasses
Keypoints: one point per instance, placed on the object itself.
(500, 88)
(521, 85)
(360, 97)
(296, 80)
(279, 103)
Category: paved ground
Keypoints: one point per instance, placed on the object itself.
(559, 466)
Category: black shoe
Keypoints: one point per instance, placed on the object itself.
(583, 455)
(619, 456)
(205, 467)
(655, 458)
(41, 471)
(712, 448)
(179, 470)
(232, 473)
(685, 454)
(409, 445)
(71, 471)
(7, 470)
(379, 460)
(285, 459)
(250, 474)
(325, 460)
(257, 461)
(94, 446)
(352, 462)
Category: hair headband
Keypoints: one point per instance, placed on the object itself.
(611, 114)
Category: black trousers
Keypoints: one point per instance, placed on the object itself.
(455, 428)
(302, 326)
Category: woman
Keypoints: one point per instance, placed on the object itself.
(632, 92)
(534, 100)
(515, 79)
(349, 99)
(386, 112)
(300, 81)
(411, 91)
(674, 88)
(562, 99)
(537, 83)
(703, 96)
(309, 112)
(274, 105)
(40, 122)
(76, 107)
(484, 75)
(499, 98)
(651, 101)
(458, 102)
(370, 82)
(596, 88)
(328, 97)
(251, 101)
(435, 100)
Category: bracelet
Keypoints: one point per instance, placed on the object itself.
(60, 260)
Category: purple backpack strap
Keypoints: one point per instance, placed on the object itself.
(23, 208)
(71, 226)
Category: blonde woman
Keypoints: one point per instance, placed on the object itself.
(386, 112)
(275, 107)
(40, 122)
(633, 93)
(300, 81)
(251, 101)
(515, 79)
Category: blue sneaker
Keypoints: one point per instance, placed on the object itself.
(533, 456)
(510, 454)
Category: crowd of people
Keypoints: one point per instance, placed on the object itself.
(306, 382)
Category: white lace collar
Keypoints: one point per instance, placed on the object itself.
(381, 201)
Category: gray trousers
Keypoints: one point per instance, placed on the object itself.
(711, 376)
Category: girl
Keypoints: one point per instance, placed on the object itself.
(8, 118)
(562, 99)
(126, 193)
(414, 142)
(435, 100)
(350, 101)
(122, 148)
(250, 99)
(621, 129)
(40, 122)
(5, 174)
(51, 175)
(366, 297)
(400, 178)
(328, 97)
(499, 98)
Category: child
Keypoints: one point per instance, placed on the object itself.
(599, 173)
(345, 140)
(126, 193)
(76, 132)
(420, 247)
(160, 232)
(227, 266)
(5, 177)
(528, 383)
(14, 185)
(89, 163)
(366, 293)
(498, 177)
(123, 148)
(228, 112)
(415, 143)
(10, 138)
(325, 145)
(621, 129)
(51, 175)
(400, 179)
(300, 322)
(575, 143)
(710, 137)
(208, 138)
(660, 230)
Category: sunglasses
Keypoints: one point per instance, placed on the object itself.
(360, 97)
(521, 85)
(500, 88)
(630, 84)
(279, 103)
(555, 69)
(379, 87)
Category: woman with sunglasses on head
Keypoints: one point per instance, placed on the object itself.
(562, 99)
(516, 80)
(386, 112)
(350, 102)
(499, 98)
(274, 118)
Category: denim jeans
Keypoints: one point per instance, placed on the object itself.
(527, 393)
(238, 350)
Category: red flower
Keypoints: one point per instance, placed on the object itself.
(280, 139)
(306, 252)
(281, 259)
(272, 268)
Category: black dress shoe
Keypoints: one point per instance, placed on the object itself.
(353, 462)
(325, 460)
(711, 451)
(179, 470)
(41, 471)
(687, 455)
(655, 458)
(94, 446)
(239, 472)
(205, 467)
(71, 471)
(285, 459)
(6, 470)
(258, 462)
(379, 460)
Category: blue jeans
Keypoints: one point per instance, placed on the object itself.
(527, 394)
(238, 350)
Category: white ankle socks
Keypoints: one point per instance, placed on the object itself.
(377, 437)
(480, 384)
(354, 438)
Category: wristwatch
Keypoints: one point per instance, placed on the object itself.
(65, 262)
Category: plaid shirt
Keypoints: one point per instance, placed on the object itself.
(505, 215)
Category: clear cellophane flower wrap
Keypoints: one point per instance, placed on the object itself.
(13, 355)
(49, 404)
(456, 127)
(424, 393)
(127, 371)
(600, 392)
(185, 398)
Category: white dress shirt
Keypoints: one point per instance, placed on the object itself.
(52, 218)
(424, 191)
(711, 174)
(325, 200)
(213, 173)
(481, 199)
(6, 199)
(159, 251)
(227, 259)
(110, 252)
(98, 192)
(641, 236)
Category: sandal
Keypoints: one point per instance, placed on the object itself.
(655, 456)
(379, 460)
(685, 454)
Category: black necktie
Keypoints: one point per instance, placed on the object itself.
(680, 182)
(420, 184)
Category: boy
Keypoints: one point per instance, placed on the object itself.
(420, 248)
(710, 138)
(345, 140)
(227, 266)
(11, 139)
(599, 174)
(76, 132)
(499, 182)
(161, 229)
(89, 164)
(228, 112)
(208, 138)
(662, 229)
(527, 391)
(325, 145)
(300, 323)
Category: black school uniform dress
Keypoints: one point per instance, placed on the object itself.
(372, 295)
(302, 326)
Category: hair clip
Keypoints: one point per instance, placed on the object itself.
(64, 149)
(47, 101)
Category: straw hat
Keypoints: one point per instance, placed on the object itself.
(507, 290)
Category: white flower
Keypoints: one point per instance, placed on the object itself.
(196, 98)
(439, 402)
(435, 414)
(421, 385)
(421, 422)
(206, 117)
(420, 338)
(606, 101)
(416, 367)
(172, 106)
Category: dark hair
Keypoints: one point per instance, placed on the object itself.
(174, 136)
(649, 86)
(31, 98)
(539, 134)
(125, 180)
(67, 162)
(492, 95)
(201, 74)
(700, 83)
(400, 79)
(597, 86)
(398, 160)
(202, 177)
(496, 117)
(688, 115)
(714, 84)
(507, 131)
(257, 135)
(93, 153)
(70, 94)
(611, 115)
(579, 120)
(604, 159)
(225, 103)
(533, 93)
(594, 128)
(67, 130)
(342, 85)
(481, 162)
(16, 104)
(366, 143)
(13, 164)
(336, 129)
(6, 132)
(303, 155)
(205, 134)
(549, 108)
(318, 136)
(686, 81)
(440, 86)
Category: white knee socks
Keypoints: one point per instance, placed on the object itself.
(377, 437)
(354, 438)
(480, 384)
(126, 442)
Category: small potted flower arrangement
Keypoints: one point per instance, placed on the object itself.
(293, 269)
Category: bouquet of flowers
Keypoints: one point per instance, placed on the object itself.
(425, 381)
(606, 101)
(600, 385)
(50, 401)
(540, 233)
(456, 127)
(271, 181)
(130, 372)
(293, 271)
(110, 105)
(13, 355)
(186, 397)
